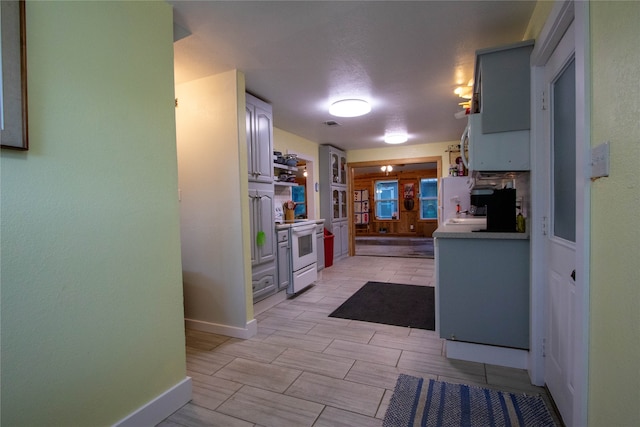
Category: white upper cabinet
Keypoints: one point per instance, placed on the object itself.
(259, 140)
(338, 161)
(499, 126)
(504, 86)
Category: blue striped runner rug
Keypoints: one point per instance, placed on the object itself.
(421, 402)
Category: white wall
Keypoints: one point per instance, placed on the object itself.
(213, 180)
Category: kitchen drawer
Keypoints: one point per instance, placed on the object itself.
(263, 283)
(282, 236)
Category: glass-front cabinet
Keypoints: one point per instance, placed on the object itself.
(339, 203)
(334, 197)
(338, 167)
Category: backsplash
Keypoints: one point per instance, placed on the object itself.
(521, 181)
(523, 192)
(281, 195)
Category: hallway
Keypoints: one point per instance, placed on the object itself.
(306, 369)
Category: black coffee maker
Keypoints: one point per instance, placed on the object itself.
(501, 211)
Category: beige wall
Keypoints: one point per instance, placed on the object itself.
(436, 149)
(213, 180)
(92, 318)
(614, 370)
(538, 19)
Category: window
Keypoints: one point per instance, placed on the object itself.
(428, 198)
(386, 199)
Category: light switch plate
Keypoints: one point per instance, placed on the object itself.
(600, 160)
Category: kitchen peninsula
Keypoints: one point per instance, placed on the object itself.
(482, 294)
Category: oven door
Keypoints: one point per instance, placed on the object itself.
(303, 246)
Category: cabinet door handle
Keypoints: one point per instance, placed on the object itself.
(573, 275)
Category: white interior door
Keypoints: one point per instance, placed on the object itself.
(562, 301)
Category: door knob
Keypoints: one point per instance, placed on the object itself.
(573, 275)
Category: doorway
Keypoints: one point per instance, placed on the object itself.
(391, 212)
(303, 191)
(299, 192)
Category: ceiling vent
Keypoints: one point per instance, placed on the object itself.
(331, 123)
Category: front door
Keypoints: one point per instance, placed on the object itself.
(562, 301)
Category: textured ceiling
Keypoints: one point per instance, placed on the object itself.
(405, 58)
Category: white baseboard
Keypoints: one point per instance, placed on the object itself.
(501, 356)
(269, 302)
(159, 408)
(247, 332)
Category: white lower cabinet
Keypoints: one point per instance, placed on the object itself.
(261, 202)
(341, 239)
(263, 281)
(483, 291)
(320, 245)
(344, 239)
(284, 259)
(263, 247)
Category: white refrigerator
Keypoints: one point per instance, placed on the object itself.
(454, 191)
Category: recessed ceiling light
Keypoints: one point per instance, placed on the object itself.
(349, 108)
(396, 138)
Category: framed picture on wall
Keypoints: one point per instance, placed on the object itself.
(13, 88)
(408, 191)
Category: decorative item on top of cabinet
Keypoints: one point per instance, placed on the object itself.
(259, 120)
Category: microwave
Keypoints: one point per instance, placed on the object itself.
(498, 151)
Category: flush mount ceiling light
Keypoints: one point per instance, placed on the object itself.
(395, 138)
(349, 108)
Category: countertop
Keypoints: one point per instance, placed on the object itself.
(467, 232)
(285, 225)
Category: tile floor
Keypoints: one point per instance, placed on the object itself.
(306, 369)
